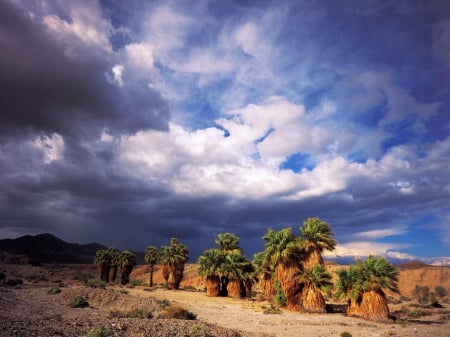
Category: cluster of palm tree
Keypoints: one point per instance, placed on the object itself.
(109, 261)
(172, 259)
(292, 266)
(291, 271)
(363, 285)
(227, 270)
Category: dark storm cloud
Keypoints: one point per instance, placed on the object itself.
(43, 89)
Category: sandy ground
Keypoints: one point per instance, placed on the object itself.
(247, 315)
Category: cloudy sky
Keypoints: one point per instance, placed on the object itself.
(130, 122)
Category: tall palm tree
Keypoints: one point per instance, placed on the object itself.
(265, 273)
(228, 242)
(235, 269)
(151, 257)
(173, 259)
(317, 236)
(364, 284)
(127, 260)
(283, 251)
(315, 280)
(114, 256)
(103, 263)
(210, 266)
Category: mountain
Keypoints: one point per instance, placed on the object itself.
(46, 248)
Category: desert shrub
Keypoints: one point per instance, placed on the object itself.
(54, 290)
(404, 299)
(122, 291)
(416, 313)
(177, 312)
(440, 291)
(13, 282)
(143, 313)
(393, 300)
(346, 334)
(78, 302)
(102, 331)
(135, 283)
(197, 330)
(95, 284)
(164, 303)
(272, 310)
(421, 294)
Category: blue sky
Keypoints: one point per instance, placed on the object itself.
(128, 123)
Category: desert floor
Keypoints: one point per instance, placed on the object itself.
(28, 310)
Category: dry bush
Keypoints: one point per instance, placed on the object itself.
(177, 312)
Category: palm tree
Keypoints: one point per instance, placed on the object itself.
(173, 259)
(265, 272)
(283, 252)
(209, 266)
(151, 257)
(103, 263)
(114, 255)
(315, 280)
(127, 260)
(364, 285)
(228, 242)
(317, 236)
(235, 269)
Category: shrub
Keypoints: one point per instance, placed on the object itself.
(177, 312)
(78, 302)
(197, 330)
(102, 331)
(272, 310)
(13, 282)
(134, 282)
(143, 313)
(421, 294)
(54, 290)
(95, 284)
(164, 303)
(346, 334)
(440, 291)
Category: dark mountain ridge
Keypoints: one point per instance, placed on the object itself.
(46, 248)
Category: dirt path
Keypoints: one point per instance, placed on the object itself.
(246, 315)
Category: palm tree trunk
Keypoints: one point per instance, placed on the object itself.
(112, 274)
(248, 285)
(292, 288)
(166, 273)
(313, 300)
(150, 282)
(267, 286)
(374, 306)
(314, 259)
(234, 289)
(213, 286)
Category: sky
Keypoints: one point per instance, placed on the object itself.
(131, 122)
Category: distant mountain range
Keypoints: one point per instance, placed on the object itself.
(46, 248)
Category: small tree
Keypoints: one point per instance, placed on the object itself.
(103, 263)
(440, 291)
(152, 256)
(210, 267)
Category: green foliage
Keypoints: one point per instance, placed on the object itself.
(152, 255)
(78, 302)
(164, 303)
(440, 291)
(228, 242)
(210, 262)
(174, 254)
(272, 310)
(281, 246)
(317, 277)
(372, 274)
(95, 284)
(177, 312)
(280, 297)
(317, 234)
(54, 290)
(346, 334)
(102, 331)
(197, 330)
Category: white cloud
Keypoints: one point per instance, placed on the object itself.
(363, 248)
(87, 27)
(140, 56)
(379, 233)
(51, 147)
